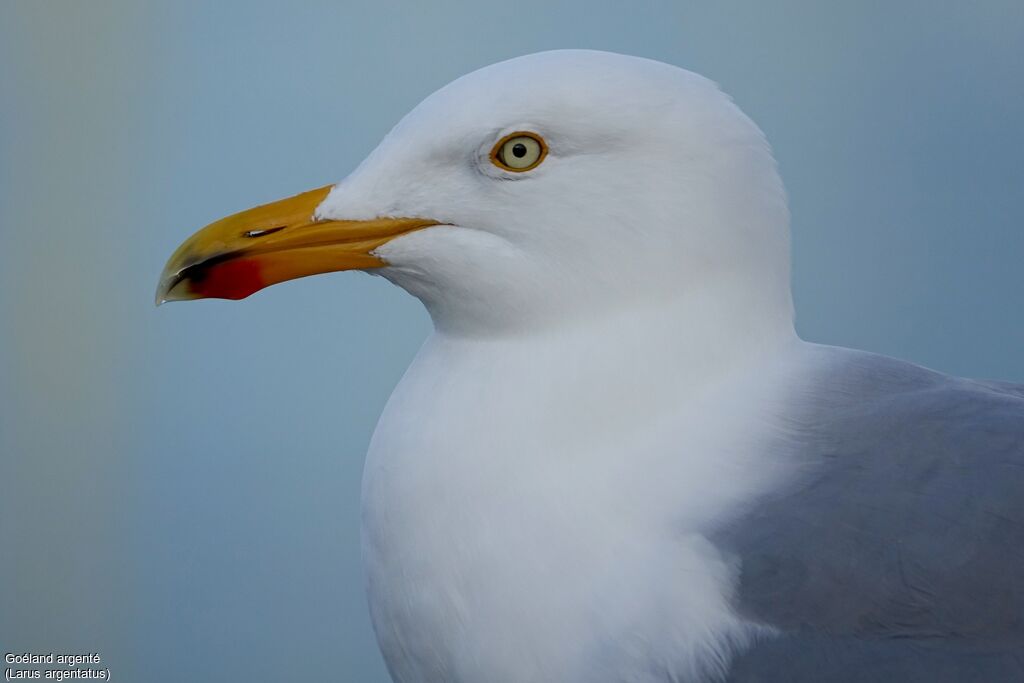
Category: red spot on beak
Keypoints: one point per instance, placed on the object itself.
(233, 279)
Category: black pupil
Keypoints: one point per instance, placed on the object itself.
(519, 150)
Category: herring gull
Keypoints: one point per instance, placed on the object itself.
(613, 459)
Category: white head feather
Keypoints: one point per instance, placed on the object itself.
(656, 185)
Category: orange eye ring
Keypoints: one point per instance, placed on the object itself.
(519, 152)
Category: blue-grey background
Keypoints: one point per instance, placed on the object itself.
(179, 487)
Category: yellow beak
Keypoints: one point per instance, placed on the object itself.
(241, 254)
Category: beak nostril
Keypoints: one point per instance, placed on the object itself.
(262, 232)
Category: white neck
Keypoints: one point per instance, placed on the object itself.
(679, 341)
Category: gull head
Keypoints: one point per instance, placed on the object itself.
(542, 190)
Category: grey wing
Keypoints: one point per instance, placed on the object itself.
(899, 553)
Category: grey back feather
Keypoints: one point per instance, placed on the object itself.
(898, 553)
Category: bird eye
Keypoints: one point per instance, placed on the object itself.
(519, 152)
